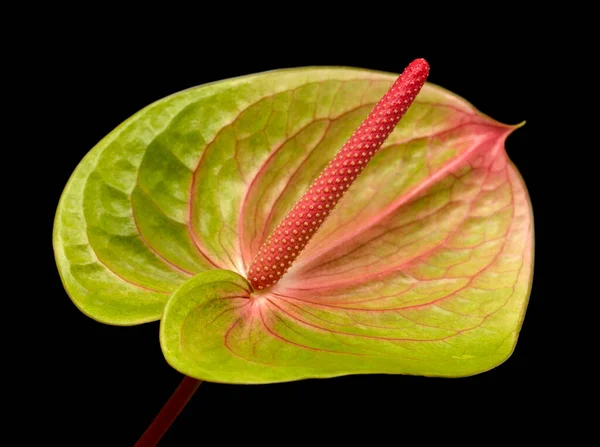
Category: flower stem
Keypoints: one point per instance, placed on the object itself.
(169, 412)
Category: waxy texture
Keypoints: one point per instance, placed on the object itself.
(291, 236)
(423, 268)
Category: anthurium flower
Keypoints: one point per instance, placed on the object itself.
(409, 254)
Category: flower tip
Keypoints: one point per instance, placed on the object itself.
(420, 64)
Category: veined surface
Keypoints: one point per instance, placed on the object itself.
(424, 267)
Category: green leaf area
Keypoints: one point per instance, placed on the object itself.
(424, 267)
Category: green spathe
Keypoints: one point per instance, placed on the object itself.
(424, 267)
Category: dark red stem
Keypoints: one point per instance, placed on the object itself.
(169, 412)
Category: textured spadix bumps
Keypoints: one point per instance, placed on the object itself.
(293, 233)
(426, 270)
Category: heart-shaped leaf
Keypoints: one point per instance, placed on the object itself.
(424, 267)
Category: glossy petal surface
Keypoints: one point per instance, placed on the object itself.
(424, 267)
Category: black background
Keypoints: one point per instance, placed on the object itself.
(105, 384)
